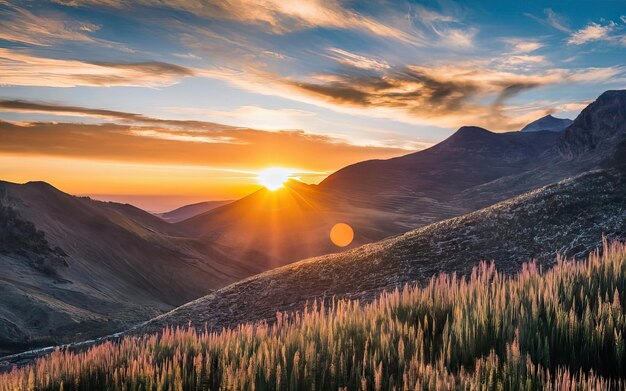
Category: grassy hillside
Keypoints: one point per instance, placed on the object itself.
(569, 218)
(562, 329)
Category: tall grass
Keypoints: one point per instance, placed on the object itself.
(558, 330)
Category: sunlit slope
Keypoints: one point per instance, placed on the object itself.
(559, 330)
(568, 218)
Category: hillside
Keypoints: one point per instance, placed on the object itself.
(188, 211)
(74, 267)
(555, 330)
(567, 218)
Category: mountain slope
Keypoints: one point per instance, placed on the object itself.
(548, 122)
(569, 217)
(598, 129)
(377, 198)
(72, 265)
(472, 169)
(188, 211)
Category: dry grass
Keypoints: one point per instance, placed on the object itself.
(561, 330)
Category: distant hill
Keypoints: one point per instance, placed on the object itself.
(187, 211)
(549, 123)
(568, 218)
(73, 267)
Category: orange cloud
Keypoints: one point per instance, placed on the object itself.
(276, 16)
(21, 25)
(218, 146)
(21, 69)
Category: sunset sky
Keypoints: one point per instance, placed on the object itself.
(162, 103)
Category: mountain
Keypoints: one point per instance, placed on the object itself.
(598, 130)
(77, 261)
(73, 267)
(187, 211)
(470, 170)
(569, 218)
(377, 198)
(549, 123)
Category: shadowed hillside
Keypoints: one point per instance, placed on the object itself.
(188, 211)
(74, 268)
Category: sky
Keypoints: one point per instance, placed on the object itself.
(162, 103)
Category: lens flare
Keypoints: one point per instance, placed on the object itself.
(273, 178)
(341, 234)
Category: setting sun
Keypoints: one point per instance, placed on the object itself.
(273, 178)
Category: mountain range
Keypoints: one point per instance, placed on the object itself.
(472, 169)
(76, 268)
(569, 219)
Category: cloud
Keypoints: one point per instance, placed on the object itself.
(518, 45)
(441, 95)
(18, 68)
(449, 31)
(35, 27)
(21, 106)
(591, 32)
(555, 20)
(356, 60)
(21, 25)
(275, 16)
(457, 38)
(551, 19)
(215, 147)
(524, 59)
(252, 116)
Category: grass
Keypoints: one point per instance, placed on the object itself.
(562, 329)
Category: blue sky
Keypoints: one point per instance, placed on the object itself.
(386, 76)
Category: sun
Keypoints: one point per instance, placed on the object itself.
(273, 178)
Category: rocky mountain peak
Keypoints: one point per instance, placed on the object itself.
(598, 128)
(549, 123)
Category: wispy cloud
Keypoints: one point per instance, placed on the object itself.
(519, 45)
(216, 147)
(443, 95)
(251, 116)
(592, 32)
(448, 29)
(356, 60)
(276, 16)
(18, 68)
(21, 25)
(21, 106)
(555, 20)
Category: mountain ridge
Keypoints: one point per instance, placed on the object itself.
(570, 217)
(549, 123)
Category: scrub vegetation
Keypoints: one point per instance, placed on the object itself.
(559, 329)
